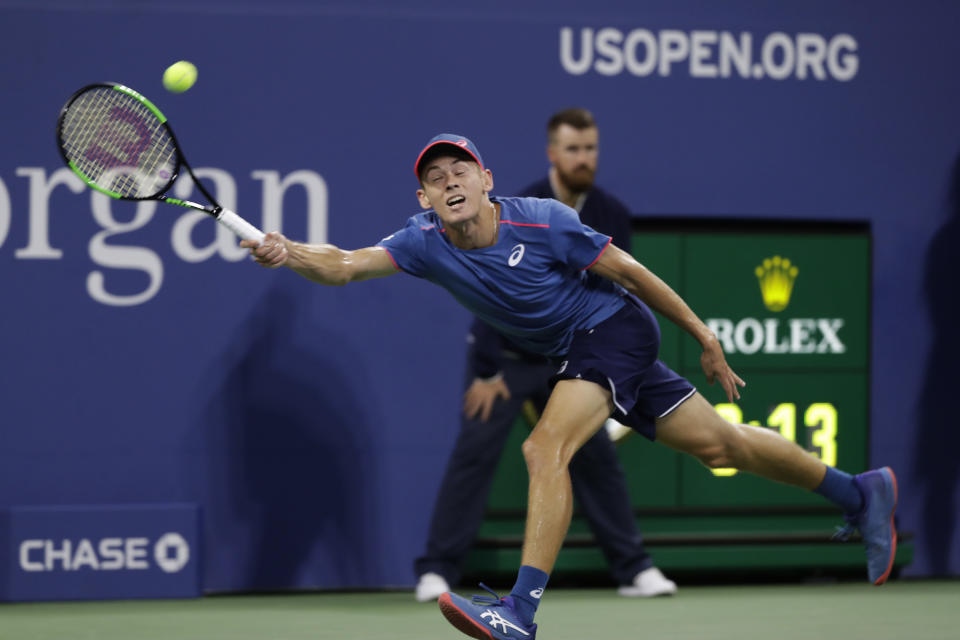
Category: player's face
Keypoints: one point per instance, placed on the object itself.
(455, 188)
(573, 153)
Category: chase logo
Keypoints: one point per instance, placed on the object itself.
(776, 277)
(171, 553)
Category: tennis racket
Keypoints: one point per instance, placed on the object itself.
(120, 144)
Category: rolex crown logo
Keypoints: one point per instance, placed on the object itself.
(776, 276)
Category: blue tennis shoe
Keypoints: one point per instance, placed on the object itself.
(875, 521)
(486, 618)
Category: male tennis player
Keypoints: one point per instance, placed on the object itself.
(504, 381)
(532, 270)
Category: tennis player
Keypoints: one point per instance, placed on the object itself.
(504, 381)
(530, 268)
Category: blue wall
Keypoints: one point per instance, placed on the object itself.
(145, 362)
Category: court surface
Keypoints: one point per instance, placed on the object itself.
(902, 610)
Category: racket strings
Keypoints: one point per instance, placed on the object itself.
(118, 143)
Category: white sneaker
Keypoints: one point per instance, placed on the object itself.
(647, 584)
(430, 587)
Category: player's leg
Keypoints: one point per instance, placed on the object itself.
(600, 489)
(868, 499)
(696, 428)
(462, 498)
(576, 410)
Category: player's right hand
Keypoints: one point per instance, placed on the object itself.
(482, 395)
(272, 252)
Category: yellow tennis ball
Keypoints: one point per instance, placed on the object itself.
(179, 76)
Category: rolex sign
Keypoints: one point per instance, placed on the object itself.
(792, 301)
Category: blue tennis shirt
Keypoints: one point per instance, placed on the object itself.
(531, 285)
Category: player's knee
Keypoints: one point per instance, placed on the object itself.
(724, 450)
(714, 456)
(541, 452)
(533, 453)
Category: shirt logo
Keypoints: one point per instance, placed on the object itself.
(516, 255)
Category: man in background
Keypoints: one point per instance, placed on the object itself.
(502, 377)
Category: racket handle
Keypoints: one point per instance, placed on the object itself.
(240, 226)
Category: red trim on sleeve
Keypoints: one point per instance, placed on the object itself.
(609, 240)
(395, 265)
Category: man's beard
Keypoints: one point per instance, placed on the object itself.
(578, 180)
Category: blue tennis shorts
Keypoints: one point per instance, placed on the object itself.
(620, 354)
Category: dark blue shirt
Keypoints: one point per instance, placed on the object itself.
(601, 211)
(532, 284)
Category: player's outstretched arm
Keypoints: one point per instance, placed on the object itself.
(619, 266)
(322, 263)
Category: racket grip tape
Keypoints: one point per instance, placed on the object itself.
(240, 226)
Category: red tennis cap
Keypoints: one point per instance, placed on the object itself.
(452, 139)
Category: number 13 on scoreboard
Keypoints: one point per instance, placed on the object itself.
(820, 418)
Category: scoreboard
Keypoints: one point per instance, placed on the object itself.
(791, 310)
(790, 304)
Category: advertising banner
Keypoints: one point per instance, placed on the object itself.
(100, 552)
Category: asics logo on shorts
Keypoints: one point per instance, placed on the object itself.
(516, 255)
(563, 367)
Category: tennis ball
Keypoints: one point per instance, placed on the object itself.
(179, 76)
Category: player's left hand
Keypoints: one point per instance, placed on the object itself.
(715, 366)
(272, 252)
